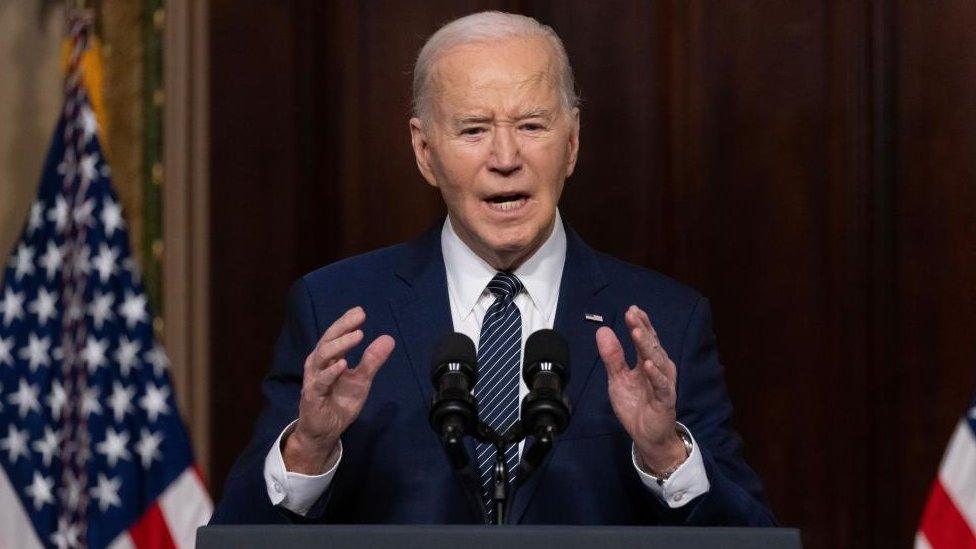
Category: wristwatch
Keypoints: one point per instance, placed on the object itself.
(662, 477)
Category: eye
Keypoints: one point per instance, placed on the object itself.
(473, 130)
(533, 127)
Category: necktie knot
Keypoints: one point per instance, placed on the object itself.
(505, 286)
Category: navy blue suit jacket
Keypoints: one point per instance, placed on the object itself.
(393, 468)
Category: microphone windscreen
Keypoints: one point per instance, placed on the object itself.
(454, 347)
(548, 346)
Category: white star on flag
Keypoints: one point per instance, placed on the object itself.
(127, 355)
(89, 124)
(154, 401)
(41, 490)
(100, 308)
(44, 306)
(15, 444)
(47, 445)
(112, 217)
(89, 402)
(57, 399)
(51, 260)
(113, 447)
(89, 172)
(94, 353)
(25, 398)
(36, 353)
(66, 536)
(134, 309)
(12, 306)
(121, 400)
(157, 357)
(107, 492)
(72, 491)
(148, 447)
(23, 262)
(59, 214)
(106, 262)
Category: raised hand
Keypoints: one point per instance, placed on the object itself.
(643, 397)
(332, 393)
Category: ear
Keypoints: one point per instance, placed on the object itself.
(573, 144)
(421, 150)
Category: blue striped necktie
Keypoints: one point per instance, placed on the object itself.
(497, 388)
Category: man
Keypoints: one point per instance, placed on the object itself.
(344, 435)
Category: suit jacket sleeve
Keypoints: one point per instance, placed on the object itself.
(245, 498)
(735, 496)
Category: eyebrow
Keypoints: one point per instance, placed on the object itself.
(482, 119)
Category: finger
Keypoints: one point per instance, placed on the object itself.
(349, 321)
(325, 354)
(659, 381)
(645, 320)
(651, 352)
(324, 379)
(375, 356)
(611, 352)
(654, 350)
(642, 343)
(638, 332)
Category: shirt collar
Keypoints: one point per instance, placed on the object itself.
(468, 274)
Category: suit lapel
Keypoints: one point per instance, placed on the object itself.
(422, 311)
(579, 295)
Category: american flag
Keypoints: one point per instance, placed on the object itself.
(949, 519)
(92, 449)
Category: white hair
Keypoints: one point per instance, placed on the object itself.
(488, 26)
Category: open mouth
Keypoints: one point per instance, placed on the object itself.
(505, 202)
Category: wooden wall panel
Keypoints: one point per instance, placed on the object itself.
(806, 165)
(933, 364)
(254, 188)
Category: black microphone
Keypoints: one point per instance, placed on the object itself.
(545, 410)
(453, 411)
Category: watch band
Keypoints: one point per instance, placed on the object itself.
(664, 476)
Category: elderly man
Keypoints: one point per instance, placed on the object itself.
(344, 436)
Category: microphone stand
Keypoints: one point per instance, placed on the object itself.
(529, 462)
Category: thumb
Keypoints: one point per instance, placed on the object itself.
(610, 351)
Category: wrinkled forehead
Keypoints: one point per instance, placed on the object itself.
(499, 77)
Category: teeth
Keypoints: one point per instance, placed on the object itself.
(507, 205)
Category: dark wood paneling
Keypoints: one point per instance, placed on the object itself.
(933, 363)
(255, 185)
(806, 165)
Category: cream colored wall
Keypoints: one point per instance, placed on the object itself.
(30, 98)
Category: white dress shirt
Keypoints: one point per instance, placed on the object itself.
(467, 280)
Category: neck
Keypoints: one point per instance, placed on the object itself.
(503, 260)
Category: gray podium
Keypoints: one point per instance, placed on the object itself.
(509, 537)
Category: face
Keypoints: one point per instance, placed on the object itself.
(498, 144)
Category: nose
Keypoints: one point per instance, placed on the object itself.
(505, 158)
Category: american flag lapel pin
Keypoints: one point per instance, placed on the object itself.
(593, 318)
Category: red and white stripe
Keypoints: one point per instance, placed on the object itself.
(949, 519)
(171, 521)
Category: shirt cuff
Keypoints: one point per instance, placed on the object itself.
(294, 491)
(686, 483)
